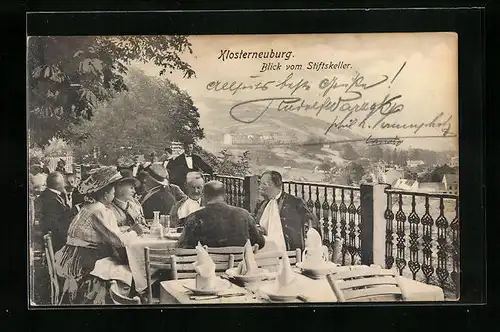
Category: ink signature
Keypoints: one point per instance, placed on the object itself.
(380, 141)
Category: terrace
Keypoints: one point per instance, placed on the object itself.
(415, 232)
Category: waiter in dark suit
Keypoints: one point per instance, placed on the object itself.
(282, 217)
(54, 210)
(185, 163)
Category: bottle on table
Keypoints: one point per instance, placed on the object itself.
(156, 227)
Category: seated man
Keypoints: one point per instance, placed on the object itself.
(283, 217)
(219, 224)
(161, 195)
(192, 203)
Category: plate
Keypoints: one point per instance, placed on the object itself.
(274, 295)
(262, 275)
(222, 285)
(327, 268)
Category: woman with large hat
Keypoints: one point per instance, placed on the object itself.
(127, 209)
(93, 234)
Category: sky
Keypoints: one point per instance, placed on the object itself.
(427, 84)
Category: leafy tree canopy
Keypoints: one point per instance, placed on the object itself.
(146, 118)
(70, 76)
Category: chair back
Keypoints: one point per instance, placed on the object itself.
(118, 298)
(161, 260)
(271, 260)
(54, 282)
(232, 255)
(183, 268)
(370, 283)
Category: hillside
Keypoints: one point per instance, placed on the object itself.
(294, 161)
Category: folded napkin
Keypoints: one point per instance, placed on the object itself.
(205, 269)
(286, 277)
(108, 269)
(313, 254)
(248, 265)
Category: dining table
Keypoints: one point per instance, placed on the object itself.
(135, 254)
(312, 291)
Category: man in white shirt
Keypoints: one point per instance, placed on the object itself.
(284, 218)
(190, 204)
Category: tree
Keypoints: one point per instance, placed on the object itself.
(70, 76)
(375, 153)
(438, 172)
(349, 153)
(225, 163)
(147, 117)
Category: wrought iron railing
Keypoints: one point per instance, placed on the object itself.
(422, 229)
(422, 237)
(338, 209)
(235, 191)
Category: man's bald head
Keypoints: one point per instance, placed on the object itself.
(55, 180)
(214, 191)
(194, 184)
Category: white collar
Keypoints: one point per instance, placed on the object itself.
(278, 196)
(55, 191)
(195, 200)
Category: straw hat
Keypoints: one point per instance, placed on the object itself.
(99, 178)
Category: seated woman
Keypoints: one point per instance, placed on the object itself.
(93, 234)
(127, 209)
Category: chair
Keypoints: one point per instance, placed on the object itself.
(54, 282)
(182, 266)
(371, 283)
(161, 260)
(271, 260)
(118, 298)
(222, 254)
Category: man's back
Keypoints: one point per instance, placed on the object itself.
(220, 225)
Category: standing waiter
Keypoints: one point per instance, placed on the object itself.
(185, 163)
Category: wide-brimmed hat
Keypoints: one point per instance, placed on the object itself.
(99, 178)
(158, 174)
(128, 176)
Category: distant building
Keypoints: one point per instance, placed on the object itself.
(414, 163)
(228, 139)
(450, 182)
(392, 176)
(177, 148)
(453, 162)
(406, 184)
(431, 187)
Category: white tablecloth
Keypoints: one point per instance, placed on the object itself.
(135, 254)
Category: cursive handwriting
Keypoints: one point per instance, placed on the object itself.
(380, 141)
(344, 101)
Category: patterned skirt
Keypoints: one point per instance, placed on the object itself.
(73, 265)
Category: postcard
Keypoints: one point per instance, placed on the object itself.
(243, 169)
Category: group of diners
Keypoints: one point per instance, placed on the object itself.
(99, 225)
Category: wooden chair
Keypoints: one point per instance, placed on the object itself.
(371, 283)
(182, 266)
(223, 254)
(118, 298)
(161, 260)
(271, 260)
(54, 282)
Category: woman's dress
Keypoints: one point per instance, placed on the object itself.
(92, 235)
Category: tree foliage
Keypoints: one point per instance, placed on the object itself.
(69, 77)
(348, 152)
(226, 163)
(146, 118)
